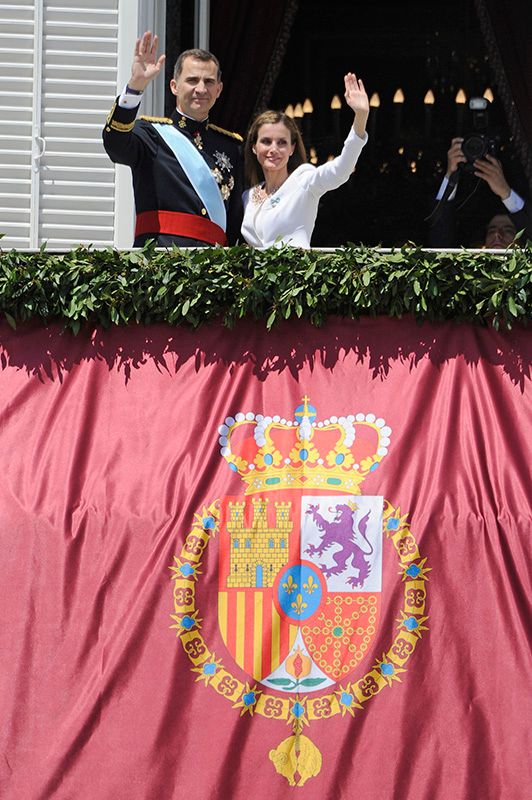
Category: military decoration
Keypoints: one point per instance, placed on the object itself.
(225, 182)
(223, 161)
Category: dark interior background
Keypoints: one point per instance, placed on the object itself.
(285, 51)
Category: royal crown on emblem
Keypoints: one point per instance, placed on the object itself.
(275, 453)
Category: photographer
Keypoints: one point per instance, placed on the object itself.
(512, 214)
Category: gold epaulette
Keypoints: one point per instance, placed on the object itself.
(167, 120)
(227, 133)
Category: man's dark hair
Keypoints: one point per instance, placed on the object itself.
(200, 55)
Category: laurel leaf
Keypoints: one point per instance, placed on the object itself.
(194, 287)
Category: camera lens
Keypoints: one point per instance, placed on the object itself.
(474, 147)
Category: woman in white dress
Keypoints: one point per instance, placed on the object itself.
(282, 204)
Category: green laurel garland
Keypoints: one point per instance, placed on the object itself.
(197, 286)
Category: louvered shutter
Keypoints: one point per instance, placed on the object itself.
(18, 26)
(61, 64)
(79, 67)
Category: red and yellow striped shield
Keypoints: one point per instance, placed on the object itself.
(299, 584)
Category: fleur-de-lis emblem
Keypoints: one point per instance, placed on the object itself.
(311, 585)
(299, 606)
(290, 585)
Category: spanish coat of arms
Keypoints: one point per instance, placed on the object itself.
(300, 576)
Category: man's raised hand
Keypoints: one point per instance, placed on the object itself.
(146, 66)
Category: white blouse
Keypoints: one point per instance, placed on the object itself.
(288, 215)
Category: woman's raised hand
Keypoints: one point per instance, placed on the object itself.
(355, 94)
(357, 99)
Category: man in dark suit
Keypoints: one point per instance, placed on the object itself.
(187, 172)
(513, 214)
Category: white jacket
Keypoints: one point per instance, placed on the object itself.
(288, 216)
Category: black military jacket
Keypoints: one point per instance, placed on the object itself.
(159, 182)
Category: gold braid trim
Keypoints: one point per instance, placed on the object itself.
(110, 115)
(159, 119)
(227, 133)
(122, 127)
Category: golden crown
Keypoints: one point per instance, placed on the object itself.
(275, 453)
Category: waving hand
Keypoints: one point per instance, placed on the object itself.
(357, 99)
(146, 66)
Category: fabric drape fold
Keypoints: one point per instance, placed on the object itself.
(507, 28)
(250, 40)
(174, 621)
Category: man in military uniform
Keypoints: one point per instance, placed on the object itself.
(187, 173)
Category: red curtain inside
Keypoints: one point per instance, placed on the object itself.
(507, 29)
(119, 650)
(250, 40)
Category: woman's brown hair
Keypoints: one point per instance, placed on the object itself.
(254, 174)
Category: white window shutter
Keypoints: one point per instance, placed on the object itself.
(79, 71)
(62, 62)
(18, 30)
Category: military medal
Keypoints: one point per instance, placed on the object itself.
(223, 161)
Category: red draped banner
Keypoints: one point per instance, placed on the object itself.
(243, 564)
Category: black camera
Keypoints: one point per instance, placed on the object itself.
(479, 142)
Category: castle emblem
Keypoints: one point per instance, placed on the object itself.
(300, 575)
(257, 552)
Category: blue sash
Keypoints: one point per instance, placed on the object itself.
(197, 171)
